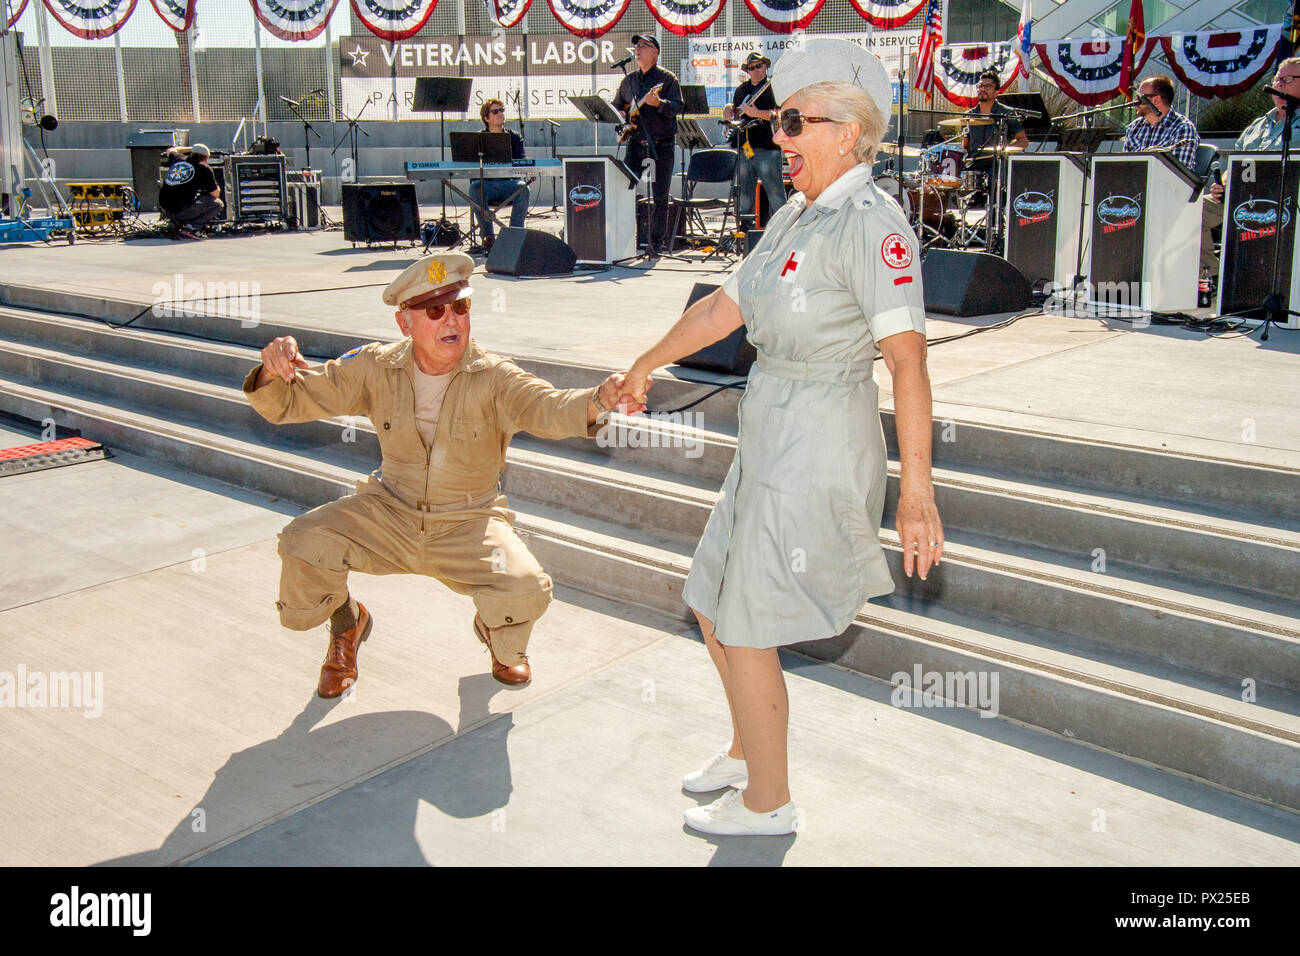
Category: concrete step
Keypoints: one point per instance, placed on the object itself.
(1175, 724)
(1225, 487)
(1004, 578)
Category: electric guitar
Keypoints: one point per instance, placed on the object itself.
(628, 129)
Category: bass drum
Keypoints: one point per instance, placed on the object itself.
(935, 206)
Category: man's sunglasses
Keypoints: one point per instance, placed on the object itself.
(460, 306)
(791, 121)
(497, 110)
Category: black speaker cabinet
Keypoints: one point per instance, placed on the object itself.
(972, 283)
(530, 252)
(380, 212)
(730, 356)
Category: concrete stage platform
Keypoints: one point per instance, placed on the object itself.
(209, 747)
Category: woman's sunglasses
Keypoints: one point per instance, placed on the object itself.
(791, 122)
(497, 110)
(460, 306)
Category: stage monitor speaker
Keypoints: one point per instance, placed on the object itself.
(752, 238)
(730, 356)
(380, 212)
(530, 252)
(972, 283)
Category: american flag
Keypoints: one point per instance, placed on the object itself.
(931, 40)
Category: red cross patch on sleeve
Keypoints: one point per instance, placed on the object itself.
(791, 266)
(896, 251)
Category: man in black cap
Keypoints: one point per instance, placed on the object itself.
(660, 96)
(189, 197)
(757, 157)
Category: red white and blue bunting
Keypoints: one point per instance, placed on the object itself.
(177, 14)
(684, 17)
(784, 16)
(1088, 71)
(508, 12)
(91, 19)
(13, 17)
(1219, 63)
(393, 19)
(294, 19)
(587, 18)
(957, 69)
(887, 14)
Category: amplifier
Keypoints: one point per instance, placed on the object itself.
(256, 188)
(304, 206)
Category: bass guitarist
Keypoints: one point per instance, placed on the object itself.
(757, 156)
(655, 97)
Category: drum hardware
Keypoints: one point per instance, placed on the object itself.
(960, 122)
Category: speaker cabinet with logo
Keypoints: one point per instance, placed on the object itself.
(380, 212)
(972, 283)
(732, 355)
(529, 252)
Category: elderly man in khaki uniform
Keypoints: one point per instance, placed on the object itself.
(444, 411)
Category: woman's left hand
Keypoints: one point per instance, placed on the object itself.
(920, 532)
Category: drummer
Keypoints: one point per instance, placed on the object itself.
(977, 138)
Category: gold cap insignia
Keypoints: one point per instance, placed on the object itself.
(437, 273)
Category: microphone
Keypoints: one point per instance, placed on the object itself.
(624, 62)
(1292, 101)
(553, 123)
(293, 103)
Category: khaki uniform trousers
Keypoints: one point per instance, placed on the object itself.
(473, 551)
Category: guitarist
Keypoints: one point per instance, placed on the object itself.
(757, 156)
(656, 127)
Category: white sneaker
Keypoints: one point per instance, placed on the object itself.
(729, 816)
(721, 771)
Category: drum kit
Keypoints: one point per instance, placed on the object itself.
(943, 195)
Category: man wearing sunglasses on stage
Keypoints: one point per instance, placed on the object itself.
(444, 411)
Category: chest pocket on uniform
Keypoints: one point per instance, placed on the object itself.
(473, 442)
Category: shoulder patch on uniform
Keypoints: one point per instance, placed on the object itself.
(351, 352)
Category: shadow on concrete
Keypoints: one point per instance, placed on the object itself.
(260, 782)
(1043, 743)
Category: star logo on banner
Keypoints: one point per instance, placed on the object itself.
(358, 56)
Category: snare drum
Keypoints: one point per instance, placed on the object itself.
(972, 180)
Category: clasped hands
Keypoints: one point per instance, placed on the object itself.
(625, 391)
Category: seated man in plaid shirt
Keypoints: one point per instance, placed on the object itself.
(1165, 129)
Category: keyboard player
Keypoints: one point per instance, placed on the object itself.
(484, 191)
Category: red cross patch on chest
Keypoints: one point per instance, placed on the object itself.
(791, 266)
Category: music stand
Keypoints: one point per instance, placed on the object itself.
(695, 100)
(482, 147)
(441, 94)
(1040, 126)
(690, 137)
(595, 109)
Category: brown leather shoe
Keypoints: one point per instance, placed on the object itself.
(339, 672)
(513, 674)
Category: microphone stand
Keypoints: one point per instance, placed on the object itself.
(306, 127)
(1277, 303)
(1086, 116)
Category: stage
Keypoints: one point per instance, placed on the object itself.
(1056, 436)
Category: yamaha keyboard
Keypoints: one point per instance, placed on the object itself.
(516, 169)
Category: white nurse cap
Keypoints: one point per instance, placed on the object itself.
(824, 59)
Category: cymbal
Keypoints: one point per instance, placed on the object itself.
(958, 122)
(892, 150)
(1003, 149)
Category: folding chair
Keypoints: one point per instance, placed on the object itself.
(716, 165)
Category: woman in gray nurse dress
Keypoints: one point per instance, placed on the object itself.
(791, 550)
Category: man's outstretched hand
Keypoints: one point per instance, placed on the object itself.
(281, 359)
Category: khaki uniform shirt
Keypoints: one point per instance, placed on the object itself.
(488, 400)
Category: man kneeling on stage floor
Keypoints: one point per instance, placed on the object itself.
(444, 411)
